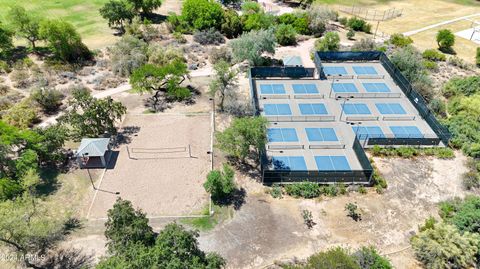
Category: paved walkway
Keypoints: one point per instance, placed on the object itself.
(409, 33)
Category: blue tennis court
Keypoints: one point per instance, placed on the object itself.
(352, 109)
(289, 163)
(376, 87)
(365, 70)
(304, 88)
(406, 132)
(282, 135)
(334, 70)
(332, 163)
(390, 108)
(313, 109)
(364, 132)
(321, 134)
(344, 87)
(272, 89)
(277, 109)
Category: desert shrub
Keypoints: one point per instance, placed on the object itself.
(305, 190)
(159, 55)
(477, 57)
(257, 21)
(434, 55)
(409, 152)
(359, 25)
(20, 78)
(203, 14)
(250, 7)
(464, 214)
(252, 45)
(343, 21)
(49, 99)
(332, 258)
(299, 21)
(399, 40)
(128, 54)
(438, 107)
(177, 24)
(4, 89)
(459, 62)
(232, 25)
(21, 115)
(464, 125)
(445, 40)
(220, 184)
(220, 54)
(276, 191)
(329, 190)
(470, 180)
(444, 246)
(209, 37)
(465, 86)
(368, 258)
(319, 16)
(285, 35)
(364, 44)
(410, 62)
(430, 65)
(330, 42)
(350, 34)
(179, 37)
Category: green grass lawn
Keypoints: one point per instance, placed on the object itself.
(81, 13)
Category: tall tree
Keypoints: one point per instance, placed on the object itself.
(243, 134)
(64, 41)
(132, 244)
(26, 24)
(6, 42)
(29, 228)
(117, 13)
(92, 117)
(223, 82)
(126, 226)
(166, 79)
(203, 14)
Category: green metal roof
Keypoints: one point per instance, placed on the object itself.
(93, 147)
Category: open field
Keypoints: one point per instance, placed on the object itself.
(418, 14)
(83, 14)
(161, 182)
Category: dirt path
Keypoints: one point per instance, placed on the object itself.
(409, 33)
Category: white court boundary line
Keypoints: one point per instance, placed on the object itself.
(210, 209)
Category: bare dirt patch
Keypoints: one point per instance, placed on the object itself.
(267, 229)
(159, 181)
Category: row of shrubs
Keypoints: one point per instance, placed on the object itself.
(310, 190)
(410, 152)
(204, 17)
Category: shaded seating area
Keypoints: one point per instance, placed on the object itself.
(93, 153)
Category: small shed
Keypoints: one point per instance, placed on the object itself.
(294, 61)
(93, 153)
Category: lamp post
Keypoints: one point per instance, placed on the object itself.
(353, 124)
(345, 99)
(331, 87)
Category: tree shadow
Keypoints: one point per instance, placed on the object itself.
(236, 199)
(67, 258)
(125, 136)
(246, 168)
(450, 51)
(155, 18)
(49, 183)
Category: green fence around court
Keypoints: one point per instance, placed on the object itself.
(415, 98)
